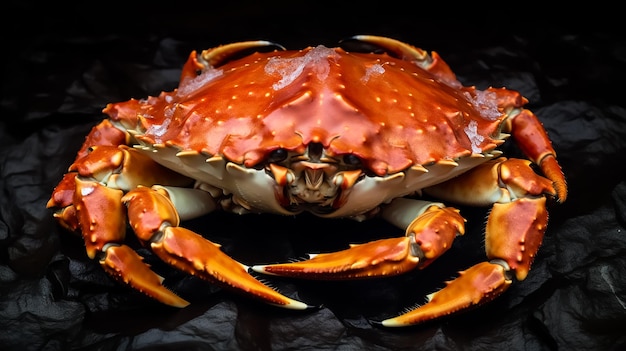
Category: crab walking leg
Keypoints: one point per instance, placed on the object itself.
(154, 218)
(514, 231)
(431, 228)
(534, 142)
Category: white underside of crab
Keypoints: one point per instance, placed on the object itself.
(254, 190)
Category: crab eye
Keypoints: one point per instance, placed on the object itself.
(277, 155)
(351, 160)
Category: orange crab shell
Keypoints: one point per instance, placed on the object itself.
(390, 112)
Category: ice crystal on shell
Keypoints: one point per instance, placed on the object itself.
(472, 133)
(372, 70)
(486, 102)
(188, 86)
(291, 68)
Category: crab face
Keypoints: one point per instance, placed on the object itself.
(327, 125)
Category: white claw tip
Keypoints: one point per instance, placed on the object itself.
(296, 305)
(260, 269)
(391, 322)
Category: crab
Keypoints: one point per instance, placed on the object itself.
(256, 128)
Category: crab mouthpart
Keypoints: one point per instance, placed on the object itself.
(314, 174)
(314, 186)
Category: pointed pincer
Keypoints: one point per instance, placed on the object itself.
(383, 257)
(125, 265)
(475, 286)
(155, 220)
(195, 255)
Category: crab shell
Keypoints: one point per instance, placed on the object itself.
(409, 121)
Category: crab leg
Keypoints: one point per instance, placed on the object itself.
(100, 178)
(90, 205)
(534, 142)
(514, 231)
(101, 218)
(90, 197)
(154, 219)
(430, 233)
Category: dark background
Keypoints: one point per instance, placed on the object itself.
(61, 65)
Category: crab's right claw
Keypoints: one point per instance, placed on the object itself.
(154, 219)
(126, 266)
(195, 255)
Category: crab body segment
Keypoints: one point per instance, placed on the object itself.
(321, 130)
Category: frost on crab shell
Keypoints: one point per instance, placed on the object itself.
(486, 102)
(190, 85)
(474, 137)
(158, 130)
(187, 87)
(291, 68)
(372, 70)
(487, 105)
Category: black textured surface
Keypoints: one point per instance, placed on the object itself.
(59, 75)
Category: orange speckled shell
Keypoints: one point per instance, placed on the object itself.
(390, 112)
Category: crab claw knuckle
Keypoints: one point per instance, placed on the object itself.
(148, 210)
(435, 230)
(105, 133)
(63, 193)
(522, 180)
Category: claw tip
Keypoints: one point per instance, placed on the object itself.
(297, 305)
(259, 269)
(391, 322)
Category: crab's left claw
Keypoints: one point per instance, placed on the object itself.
(514, 232)
(428, 236)
(474, 286)
(377, 258)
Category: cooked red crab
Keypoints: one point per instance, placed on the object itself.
(324, 130)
